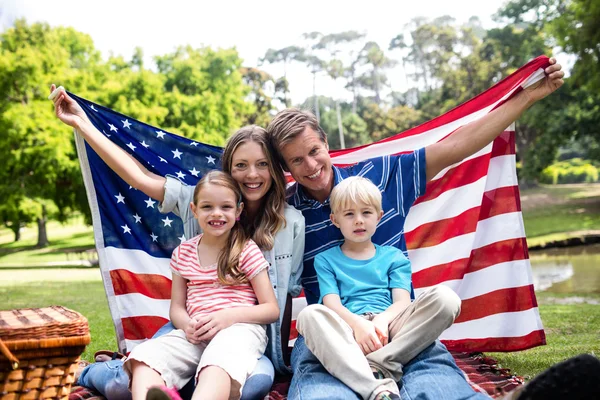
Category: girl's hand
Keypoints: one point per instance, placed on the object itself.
(209, 325)
(67, 109)
(190, 331)
(366, 336)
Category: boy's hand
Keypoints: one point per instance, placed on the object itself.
(366, 336)
(382, 327)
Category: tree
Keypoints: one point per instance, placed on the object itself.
(285, 56)
(335, 67)
(372, 55)
(260, 83)
(39, 159)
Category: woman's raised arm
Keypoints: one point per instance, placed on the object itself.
(121, 162)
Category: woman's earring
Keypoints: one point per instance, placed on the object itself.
(237, 218)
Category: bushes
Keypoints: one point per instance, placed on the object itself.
(575, 170)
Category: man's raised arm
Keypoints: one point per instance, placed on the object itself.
(473, 137)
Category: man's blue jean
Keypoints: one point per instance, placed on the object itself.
(112, 381)
(433, 374)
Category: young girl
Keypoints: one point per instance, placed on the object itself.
(218, 277)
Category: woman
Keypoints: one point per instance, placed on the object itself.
(250, 161)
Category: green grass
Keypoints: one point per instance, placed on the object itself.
(553, 213)
(86, 297)
(73, 235)
(570, 330)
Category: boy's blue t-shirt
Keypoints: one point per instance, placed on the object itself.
(363, 285)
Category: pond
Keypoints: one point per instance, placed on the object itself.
(567, 270)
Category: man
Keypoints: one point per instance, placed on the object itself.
(303, 150)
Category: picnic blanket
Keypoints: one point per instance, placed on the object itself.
(481, 372)
(465, 232)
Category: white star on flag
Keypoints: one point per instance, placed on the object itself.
(112, 127)
(153, 236)
(120, 198)
(211, 159)
(167, 221)
(126, 124)
(138, 219)
(93, 108)
(149, 202)
(144, 144)
(176, 153)
(131, 146)
(162, 159)
(160, 134)
(180, 175)
(126, 229)
(194, 172)
(181, 238)
(193, 143)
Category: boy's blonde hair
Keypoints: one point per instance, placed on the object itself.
(353, 190)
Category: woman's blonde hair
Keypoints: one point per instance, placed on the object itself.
(265, 225)
(354, 190)
(228, 263)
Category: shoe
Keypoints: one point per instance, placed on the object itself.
(573, 379)
(162, 393)
(378, 375)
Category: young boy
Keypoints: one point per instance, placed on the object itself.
(367, 327)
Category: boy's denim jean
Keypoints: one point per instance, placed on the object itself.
(112, 381)
(433, 374)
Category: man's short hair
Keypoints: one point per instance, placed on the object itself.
(354, 190)
(290, 123)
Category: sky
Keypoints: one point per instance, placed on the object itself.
(158, 27)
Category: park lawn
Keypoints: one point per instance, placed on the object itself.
(571, 329)
(73, 235)
(558, 212)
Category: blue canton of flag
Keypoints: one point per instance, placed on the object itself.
(130, 219)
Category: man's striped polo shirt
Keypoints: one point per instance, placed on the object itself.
(401, 179)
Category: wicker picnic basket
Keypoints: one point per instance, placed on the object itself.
(40, 349)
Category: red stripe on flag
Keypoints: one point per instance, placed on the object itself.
(494, 202)
(293, 330)
(499, 301)
(533, 339)
(151, 285)
(437, 232)
(500, 201)
(143, 327)
(483, 257)
(468, 172)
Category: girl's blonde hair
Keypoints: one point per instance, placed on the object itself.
(263, 228)
(228, 262)
(353, 190)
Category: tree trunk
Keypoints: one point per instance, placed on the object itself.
(42, 234)
(340, 127)
(376, 83)
(17, 231)
(316, 98)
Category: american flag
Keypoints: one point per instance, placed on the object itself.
(466, 232)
